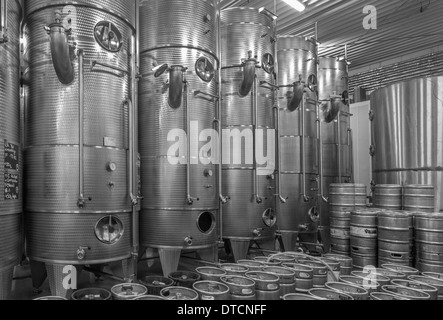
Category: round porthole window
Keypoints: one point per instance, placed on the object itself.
(109, 230)
(108, 36)
(205, 69)
(268, 63)
(269, 218)
(205, 222)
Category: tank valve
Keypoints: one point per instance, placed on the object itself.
(208, 173)
(259, 199)
(111, 166)
(81, 252)
(257, 232)
(224, 199)
(188, 241)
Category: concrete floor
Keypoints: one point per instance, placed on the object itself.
(22, 287)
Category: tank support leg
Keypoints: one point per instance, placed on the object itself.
(209, 254)
(289, 239)
(63, 279)
(38, 274)
(6, 276)
(240, 249)
(169, 259)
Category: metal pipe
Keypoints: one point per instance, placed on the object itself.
(351, 153)
(254, 95)
(106, 65)
(276, 109)
(340, 175)
(81, 197)
(134, 145)
(222, 198)
(189, 198)
(320, 154)
(303, 148)
(4, 22)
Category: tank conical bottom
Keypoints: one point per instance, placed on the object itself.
(169, 259)
(239, 249)
(62, 279)
(38, 274)
(289, 239)
(209, 254)
(6, 283)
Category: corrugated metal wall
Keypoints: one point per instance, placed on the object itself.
(424, 66)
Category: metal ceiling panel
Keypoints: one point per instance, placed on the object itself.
(403, 26)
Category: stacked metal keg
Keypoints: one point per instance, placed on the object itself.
(429, 242)
(419, 198)
(344, 199)
(395, 238)
(388, 196)
(363, 238)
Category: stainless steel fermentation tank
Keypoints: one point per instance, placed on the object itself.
(178, 128)
(11, 217)
(297, 207)
(407, 134)
(79, 134)
(336, 134)
(248, 85)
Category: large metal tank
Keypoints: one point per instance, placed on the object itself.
(407, 138)
(248, 55)
(11, 217)
(178, 137)
(297, 73)
(336, 132)
(79, 134)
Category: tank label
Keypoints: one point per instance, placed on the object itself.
(11, 156)
(12, 167)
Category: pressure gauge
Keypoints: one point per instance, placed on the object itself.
(269, 218)
(109, 230)
(205, 69)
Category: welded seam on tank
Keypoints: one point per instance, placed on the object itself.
(172, 45)
(77, 4)
(409, 169)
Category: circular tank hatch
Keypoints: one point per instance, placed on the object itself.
(205, 69)
(109, 230)
(268, 63)
(269, 218)
(108, 36)
(205, 222)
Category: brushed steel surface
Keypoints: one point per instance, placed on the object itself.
(180, 23)
(332, 79)
(388, 196)
(243, 30)
(297, 60)
(297, 57)
(52, 111)
(11, 218)
(292, 158)
(55, 238)
(407, 134)
(177, 33)
(123, 9)
(50, 168)
(55, 226)
(295, 212)
(242, 214)
(238, 111)
(169, 228)
(11, 239)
